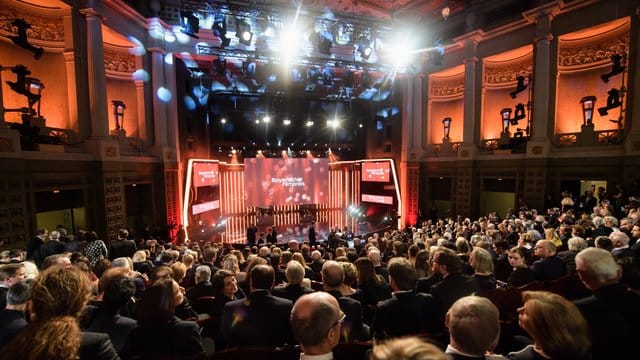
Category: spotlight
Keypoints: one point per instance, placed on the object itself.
(616, 68)
(325, 42)
(364, 47)
(438, 54)
(243, 32)
(220, 29)
(189, 23)
(220, 66)
(520, 87)
(613, 101)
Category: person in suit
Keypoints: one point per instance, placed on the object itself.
(252, 230)
(575, 245)
(549, 266)
(454, 284)
(353, 328)
(52, 246)
(464, 318)
(374, 255)
(621, 249)
(259, 320)
(12, 317)
(612, 310)
(312, 234)
(122, 246)
(9, 275)
(58, 296)
(159, 331)
(316, 321)
(407, 312)
(118, 290)
(33, 246)
(203, 284)
(293, 289)
(272, 236)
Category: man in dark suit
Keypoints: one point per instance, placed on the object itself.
(454, 284)
(474, 328)
(252, 230)
(549, 266)
(12, 317)
(122, 247)
(9, 275)
(353, 328)
(408, 312)
(293, 290)
(621, 249)
(203, 284)
(312, 234)
(52, 246)
(612, 311)
(316, 320)
(33, 246)
(259, 320)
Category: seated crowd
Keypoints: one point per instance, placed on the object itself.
(531, 286)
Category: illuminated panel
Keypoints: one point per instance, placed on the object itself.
(375, 171)
(200, 208)
(378, 199)
(205, 174)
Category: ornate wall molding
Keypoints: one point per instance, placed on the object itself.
(118, 62)
(507, 74)
(447, 88)
(43, 29)
(595, 53)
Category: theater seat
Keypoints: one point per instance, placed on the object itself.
(203, 305)
(357, 350)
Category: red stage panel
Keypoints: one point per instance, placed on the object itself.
(378, 199)
(286, 181)
(375, 171)
(205, 174)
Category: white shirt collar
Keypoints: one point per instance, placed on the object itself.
(325, 356)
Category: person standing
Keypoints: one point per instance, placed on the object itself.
(312, 234)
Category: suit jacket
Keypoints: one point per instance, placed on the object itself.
(550, 268)
(451, 288)
(352, 328)
(97, 346)
(117, 327)
(259, 320)
(291, 292)
(11, 322)
(613, 313)
(569, 258)
(406, 313)
(51, 247)
(179, 338)
(204, 288)
(424, 284)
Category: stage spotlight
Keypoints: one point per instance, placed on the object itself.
(243, 32)
(220, 29)
(189, 23)
(364, 47)
(220, 66)
(613, 101)
(437, 55)
(324, 42)
(616, 68)
(520, 87)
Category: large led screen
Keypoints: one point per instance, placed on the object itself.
(375, 171)
(286, 181)
(205, 174)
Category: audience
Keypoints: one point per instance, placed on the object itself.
(408, 348)
(316, 321)
(521, 274)
(13, 316)
(353, 328)
(9, 274)
(293, 289)
(549, 266)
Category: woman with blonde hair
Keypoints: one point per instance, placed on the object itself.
(551, 235)
(408, 348)
(558, 329)
(483, 271)
(58, 297)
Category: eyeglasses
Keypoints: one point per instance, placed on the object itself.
(340, 320)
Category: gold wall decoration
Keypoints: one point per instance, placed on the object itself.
(119, 62)
(597, 52)
(507, 74)
(447, 88)
(48, 29)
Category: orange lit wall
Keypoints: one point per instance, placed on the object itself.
(440, 110)
(50, 69)
(126, 91)
(572, 87)
(494, 101)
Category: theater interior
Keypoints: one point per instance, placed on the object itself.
(364, 114)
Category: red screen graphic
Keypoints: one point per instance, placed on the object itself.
(289, 181)
(205, 174)
(378, 199)
(375, 171)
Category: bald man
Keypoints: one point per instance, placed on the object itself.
(316, 321)
(549, 266)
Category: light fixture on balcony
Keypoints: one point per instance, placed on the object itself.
(505, 114)
(588, 103)
(118, 113)
(613, 101)
(616, 67)
(446, 122)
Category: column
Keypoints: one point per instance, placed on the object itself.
(159, 106)
(632, 118)
(543, 67)
(97, 88)
(472, 87)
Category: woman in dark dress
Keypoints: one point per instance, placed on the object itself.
(521, 274)
(372, 287)
(159, 331)
(482, 263)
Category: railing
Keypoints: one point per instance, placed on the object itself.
(445, 148)
(589, 138)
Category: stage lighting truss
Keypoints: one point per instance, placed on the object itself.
(189, 24)
(243, 32)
